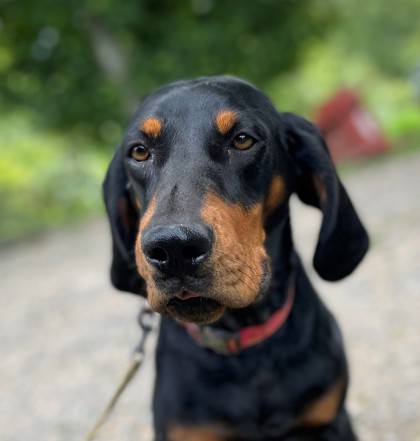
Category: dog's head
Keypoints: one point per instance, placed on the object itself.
(203, 172)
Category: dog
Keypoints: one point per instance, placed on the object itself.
(197, 195)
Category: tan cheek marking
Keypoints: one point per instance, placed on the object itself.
(156, 301)
(151, 127)
(197, 433)
(236, 261)
(225, 121)
(142, 266)
(324, 410)
(147, 217)
(276, 195)
(234, 221)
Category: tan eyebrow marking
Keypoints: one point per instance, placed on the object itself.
(225, 120)
(151, 126)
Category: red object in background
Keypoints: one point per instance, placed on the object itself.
(348, 128)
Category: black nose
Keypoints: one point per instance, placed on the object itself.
(177, 249)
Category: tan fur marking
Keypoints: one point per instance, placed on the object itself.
(276, 195)
(236, 263)
(142, 266)
(225, 121)
(324, 410)
(198, 433)
(238, 254)
(146, 218)
(151, 126)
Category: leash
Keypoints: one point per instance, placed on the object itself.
(146, 322)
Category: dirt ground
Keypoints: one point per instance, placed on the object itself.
(67, 335)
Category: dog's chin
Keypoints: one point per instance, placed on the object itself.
(200, 310)
(186, 306)
(205, 307)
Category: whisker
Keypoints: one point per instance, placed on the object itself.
(249, 277)
(246, 284)
(247, 265)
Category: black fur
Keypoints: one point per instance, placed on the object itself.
(261, 393)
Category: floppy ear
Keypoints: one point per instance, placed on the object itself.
(342, 241)
(124, 220)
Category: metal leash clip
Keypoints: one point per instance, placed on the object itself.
(147, 322)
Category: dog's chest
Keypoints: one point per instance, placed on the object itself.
(255, 393)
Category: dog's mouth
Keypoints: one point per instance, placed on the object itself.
(192, 307)
(204, 299)
(186, 295)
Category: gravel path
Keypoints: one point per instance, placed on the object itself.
(66, 335)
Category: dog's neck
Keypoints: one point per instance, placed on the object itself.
(279, 246)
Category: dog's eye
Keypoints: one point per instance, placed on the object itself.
(139, 153)
(243, 142)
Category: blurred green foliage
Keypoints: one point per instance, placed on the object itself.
(373, 49)
(45, 177)
(88, 62)
(72, 72)
(391, 98)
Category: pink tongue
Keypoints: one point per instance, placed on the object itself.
(185, 295)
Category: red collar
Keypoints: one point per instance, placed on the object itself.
(229, 343)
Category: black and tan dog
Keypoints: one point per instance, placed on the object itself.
(197, 196)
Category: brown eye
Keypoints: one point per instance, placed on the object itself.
(139, 153)
(243, 142)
